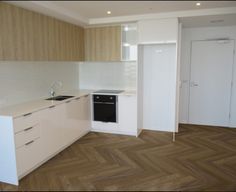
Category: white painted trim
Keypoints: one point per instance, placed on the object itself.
(178, 60)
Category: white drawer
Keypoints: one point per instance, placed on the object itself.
(27, 135)
(104, 126)
(28, 156)
(26, 121)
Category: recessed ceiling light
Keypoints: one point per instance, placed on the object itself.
(126, 44)
(108, 12)
(126, 28)
(198, 4)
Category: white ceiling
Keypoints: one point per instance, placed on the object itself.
(94, 12)
(209, 21)
(98, 9)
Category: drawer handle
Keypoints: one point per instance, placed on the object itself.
(27, 129)
(29, 143)
(68, 101)
(51, 107)
(78, 98)
(28, 114)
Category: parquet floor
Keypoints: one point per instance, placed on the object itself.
(202, 159)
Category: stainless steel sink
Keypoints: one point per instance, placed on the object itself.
(60, 97)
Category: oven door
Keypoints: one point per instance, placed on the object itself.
(105, 109)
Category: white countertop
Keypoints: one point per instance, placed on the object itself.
(39, 104)
(125, 92)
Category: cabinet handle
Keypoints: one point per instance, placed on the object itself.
(51, 107)
(68, 101)
(29, 143)
(28, 114)
(27, 129)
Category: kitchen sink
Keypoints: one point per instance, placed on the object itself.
(60, 97)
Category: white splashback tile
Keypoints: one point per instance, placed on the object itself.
(24, 81)
(107, 75)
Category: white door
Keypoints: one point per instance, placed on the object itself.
(210, 84)
(159, 87)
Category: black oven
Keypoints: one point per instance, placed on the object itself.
(104, 108)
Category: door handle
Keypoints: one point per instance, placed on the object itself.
(193, 84)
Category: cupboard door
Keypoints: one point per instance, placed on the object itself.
(29, 36)
(156, 31)
(53, 122)
(28, 156)
(103, 43)
(127, 107)
(73, 115)
(86, 115)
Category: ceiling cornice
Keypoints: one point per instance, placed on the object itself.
(50, 9)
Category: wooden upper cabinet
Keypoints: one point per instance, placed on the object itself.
(103, 43)
(30, 36)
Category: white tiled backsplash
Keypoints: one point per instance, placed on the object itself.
(108, 75)
(25, 81)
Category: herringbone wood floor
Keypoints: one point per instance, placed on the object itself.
(202, 158)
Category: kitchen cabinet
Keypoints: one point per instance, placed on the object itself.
(129, 42)
(86, 112)
(156, 31)
(103, 43)
(28, 156)
(31, 139)
(77, 118)
(29, 36)
(28, 142)
(127, 114)
(52, 124)
(73, 121)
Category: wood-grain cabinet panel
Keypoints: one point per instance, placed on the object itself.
(30, 36)
(103, 43)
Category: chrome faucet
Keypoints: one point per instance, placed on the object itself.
(52, 88)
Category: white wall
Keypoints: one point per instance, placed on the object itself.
(108, 75)
(189, 34)
(24, 81)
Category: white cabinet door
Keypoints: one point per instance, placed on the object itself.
(86, 113)
(28, 156)
(73, 115)
(127, 111)
(158, 31)
(78, 119)
(159, 87)
(53, 122)
(210, 85)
